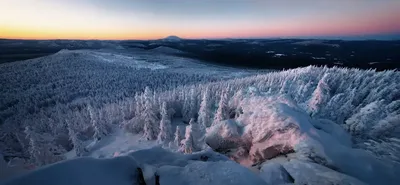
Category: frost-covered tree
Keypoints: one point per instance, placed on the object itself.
(194, 138)
(320, 96)
(185, 107)
(151, 126)
(34, 150)
(198, 135)
(156, 102)
(178, 136)
(222, 111)
(165, 134)
(22, 142)
(188, 143)
(40, 149)
(337, 109)
(362, 121)
(193, 103)
(189, 108)
(74, 138)
(99, 127)
(237, 98)
(385, 126)
(138, 105)
(205, 112)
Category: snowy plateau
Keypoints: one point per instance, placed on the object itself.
(112, 117)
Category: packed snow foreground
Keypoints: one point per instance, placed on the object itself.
(312, 126)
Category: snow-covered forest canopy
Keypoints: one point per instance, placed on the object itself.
(340, 120)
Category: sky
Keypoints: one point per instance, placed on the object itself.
(152, 19)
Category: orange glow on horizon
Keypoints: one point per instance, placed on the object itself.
(144, 19)
(279, 28)
(8, 33)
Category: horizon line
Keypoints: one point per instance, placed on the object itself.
(377, 36)
(261, 38)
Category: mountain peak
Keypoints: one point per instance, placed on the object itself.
(172, 38)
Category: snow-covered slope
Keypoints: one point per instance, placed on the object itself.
(99, 75)
(166, 50)
(312, 125)
(152, 166)
(271, 135)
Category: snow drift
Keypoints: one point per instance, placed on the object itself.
(152, 166)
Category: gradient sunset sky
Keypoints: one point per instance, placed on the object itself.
(151, 19)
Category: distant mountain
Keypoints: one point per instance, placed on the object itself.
(172, 38)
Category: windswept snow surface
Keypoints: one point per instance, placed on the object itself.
(151, 166)
(83, 171)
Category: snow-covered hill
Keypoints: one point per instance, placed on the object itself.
(166, 50)
(99, 76)
(172, 38)
(312, 125)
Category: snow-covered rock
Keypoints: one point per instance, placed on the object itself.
(315, 174)
(224, 135)
(210, 173)
(274, 173)
(158, 156)
(276, 125)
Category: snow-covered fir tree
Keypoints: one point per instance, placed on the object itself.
(237, 98)
(34, 151)
(188, 142)
(178, 137)
(99, 127)
(40, 149)
(193, 103)
(151, 124)
(222, 111)
(165, 134)
(320, 95)
(205, 112)
(74, 138)
(185, 107)
(156, 102)
(138, 105)
(22, 142)
(198, 134)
